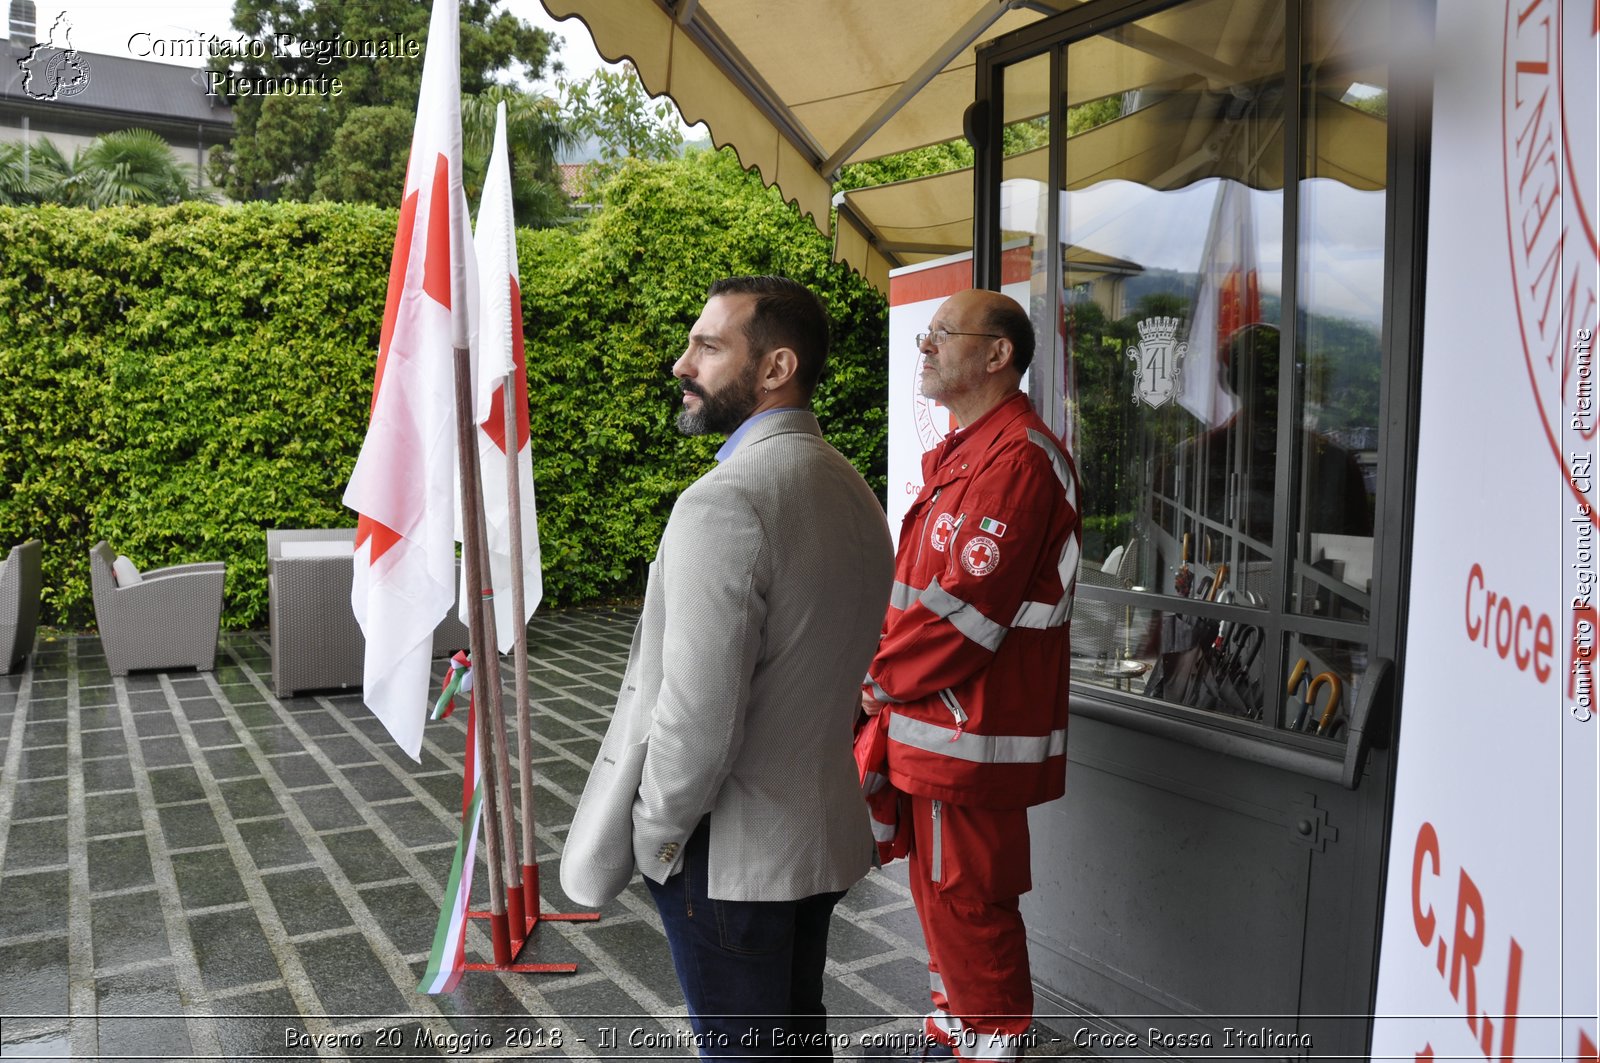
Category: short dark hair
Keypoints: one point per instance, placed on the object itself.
(1011, 321)
(786, 314)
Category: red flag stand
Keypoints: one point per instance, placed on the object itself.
(510, 925)
(516, 942)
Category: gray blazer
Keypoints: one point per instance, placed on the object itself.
(762, 613)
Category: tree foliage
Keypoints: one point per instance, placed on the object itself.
(124, 167)
(613, 307)
(180, 379)
(612, 108)
(284, 141)
(535, 134)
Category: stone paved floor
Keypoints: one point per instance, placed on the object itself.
(191, 867)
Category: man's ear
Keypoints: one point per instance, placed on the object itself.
(1000, 353)
(781, 365)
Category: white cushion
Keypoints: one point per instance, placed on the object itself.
(1110, 567)
(127, 575)
(317, 548)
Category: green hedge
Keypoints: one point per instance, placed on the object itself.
(177, 380)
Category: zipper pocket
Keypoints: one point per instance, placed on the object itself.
(936, 870)
(955, 710)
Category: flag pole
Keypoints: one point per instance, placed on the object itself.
(513, 870)
(483, 650)
(513, 452)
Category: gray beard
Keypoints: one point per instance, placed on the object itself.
(721, 411)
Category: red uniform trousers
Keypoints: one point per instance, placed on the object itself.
(969, 866)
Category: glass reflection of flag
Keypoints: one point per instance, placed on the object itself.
(1069, 379)
(1229, 297)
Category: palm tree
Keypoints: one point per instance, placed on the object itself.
(22, 178)
(133, 166)
(125, 167)
(535, 134)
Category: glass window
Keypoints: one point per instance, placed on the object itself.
(1228, 448)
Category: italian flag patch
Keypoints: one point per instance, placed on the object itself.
(992, 526)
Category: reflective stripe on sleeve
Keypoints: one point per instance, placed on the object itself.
(902, 595)
(964, 616)
(979, 749)
(1044, 614)
(1058, 462)
(1059, 613)
(882, 695)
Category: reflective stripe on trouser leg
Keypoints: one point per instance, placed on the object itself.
(968, 1043)
(988, 1048)
(972, 925)
(942, 1027)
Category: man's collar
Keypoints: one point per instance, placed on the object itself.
(725, 451)
(1000, 413)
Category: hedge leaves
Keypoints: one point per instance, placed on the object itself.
(177, 380)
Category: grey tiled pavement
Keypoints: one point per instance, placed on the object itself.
(192, 868)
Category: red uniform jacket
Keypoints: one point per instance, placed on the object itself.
(975, 655)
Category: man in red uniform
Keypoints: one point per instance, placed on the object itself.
(972, 669)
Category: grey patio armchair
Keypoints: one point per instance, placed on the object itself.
(165, 618)
(316, 642)
(20, 582)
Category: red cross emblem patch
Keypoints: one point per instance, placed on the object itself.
(943, 528)
(980, 556)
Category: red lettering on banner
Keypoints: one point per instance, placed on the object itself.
(1460, 959)
(1510, 629)
(1427, 845)
(1467, 948)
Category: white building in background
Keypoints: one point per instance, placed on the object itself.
(50, 89)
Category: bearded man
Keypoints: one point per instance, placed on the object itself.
(727, 776)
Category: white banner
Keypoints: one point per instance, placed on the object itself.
(1489, 933)
(917, 425)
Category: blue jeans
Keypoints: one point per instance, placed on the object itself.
(751, 971)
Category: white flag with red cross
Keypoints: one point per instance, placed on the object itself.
(499, 364)
(403, 484)
(1229, 299)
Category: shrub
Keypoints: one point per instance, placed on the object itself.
(178, 380)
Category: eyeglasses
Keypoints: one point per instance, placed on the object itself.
(939, 335)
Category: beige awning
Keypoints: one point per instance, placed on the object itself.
(801, 88)
(912, 221)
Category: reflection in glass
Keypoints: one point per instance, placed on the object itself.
(1218, 432)
(1324, 679)
(1171, 226)
(1175, 657)
(1341, 204)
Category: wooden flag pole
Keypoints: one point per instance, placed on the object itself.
(513, 452)
(530, 862)
(486, 677)
(513, 878)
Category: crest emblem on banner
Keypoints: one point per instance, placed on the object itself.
(1159, 356)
